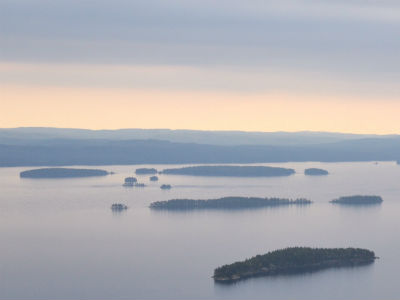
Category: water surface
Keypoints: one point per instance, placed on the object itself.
(60, 239)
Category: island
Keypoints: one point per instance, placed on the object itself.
(130, 181)
(230, 171)
(118, 207)
(145, 171)
(165, 187)
(226, 203)
(293, 260)
(153, 178)
(62, 173)
(358, 200)
(315, 172)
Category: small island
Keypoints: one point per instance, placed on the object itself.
(118, 207)
(165, 187)
(130, 181)
(230, 171)
(153, 178)
(293, 260)
(62, 173)
(358, 200)
(315, 172)
(145, 171)
(226, 203)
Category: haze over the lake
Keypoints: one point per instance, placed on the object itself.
(238, 65)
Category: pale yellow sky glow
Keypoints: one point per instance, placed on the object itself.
(112, 108)
(288, 65)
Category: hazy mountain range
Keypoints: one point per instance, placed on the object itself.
(54, 146)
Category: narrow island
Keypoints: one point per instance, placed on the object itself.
(230, 171)
(118, 207)
(165, 187)
(358, 200)
(153, 178)
(226, 203)
(293, 260)
(145, 171)
(315, 172)
(62, 173)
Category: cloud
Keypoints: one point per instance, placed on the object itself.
(304, 44)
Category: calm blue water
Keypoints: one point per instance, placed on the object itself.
(60, 240)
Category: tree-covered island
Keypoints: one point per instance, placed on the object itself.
(165, 187)
(358, 200)
(118, 207)
(315, 172)
(230, 171)
(62, 173)
(293, 260)
(153, 178)
(225, 203)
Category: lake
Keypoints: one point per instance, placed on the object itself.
(60, 239)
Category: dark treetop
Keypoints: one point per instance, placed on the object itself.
(293, 260)
(153, 178)
(225, 203)
(130, 180)
(62, 173)
(145, 171)
(358, 199)
(315, 172)
(165, 187)
(118, 207)
(236, 171)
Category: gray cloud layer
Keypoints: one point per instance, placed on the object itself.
(355, 40)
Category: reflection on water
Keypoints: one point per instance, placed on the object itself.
(60, 239)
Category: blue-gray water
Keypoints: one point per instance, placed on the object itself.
(60, 240)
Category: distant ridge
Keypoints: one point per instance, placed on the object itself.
(32, 135)
(86, 152)
(65, 147)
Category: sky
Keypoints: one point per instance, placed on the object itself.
(320, 65)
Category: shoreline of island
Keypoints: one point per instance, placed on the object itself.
(293, 260)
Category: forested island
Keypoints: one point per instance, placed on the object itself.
(358, 199)
(145, 171)
(231, 171)
(293, 260)
(165, 187)
(153, 178)
(226, 203)
(118, 207)
(62, 173)
(315, 172)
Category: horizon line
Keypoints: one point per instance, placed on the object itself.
(198, 130)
